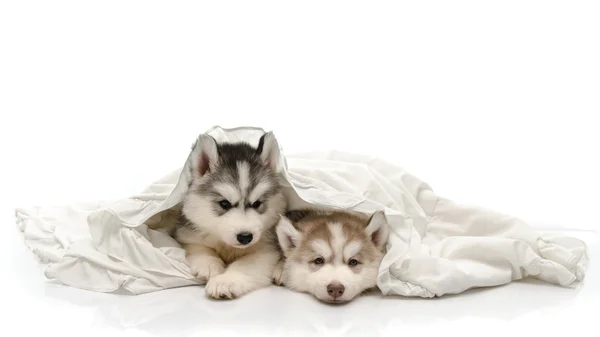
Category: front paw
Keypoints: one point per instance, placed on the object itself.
(228, 286)
(206, 267)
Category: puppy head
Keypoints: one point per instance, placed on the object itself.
(333, 256)
(234, 194)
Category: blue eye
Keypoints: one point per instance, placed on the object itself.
(319, 260)
(352, 262)
(225, 204)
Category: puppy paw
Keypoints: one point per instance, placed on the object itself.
(228, 286)
(278, 274)
(206, 267)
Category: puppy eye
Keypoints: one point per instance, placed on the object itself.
(256, 204)
(225, 204)
(353, 262)
(319, 260)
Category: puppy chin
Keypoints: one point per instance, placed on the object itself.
(328, 299)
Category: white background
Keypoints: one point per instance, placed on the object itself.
(492, 103)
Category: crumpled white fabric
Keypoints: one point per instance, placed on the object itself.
(436, 246)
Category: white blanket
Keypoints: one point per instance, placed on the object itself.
(436, 246)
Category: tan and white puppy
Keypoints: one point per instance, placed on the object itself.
(332, 255)
(228, 215)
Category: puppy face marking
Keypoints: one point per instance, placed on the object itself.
(244, 176)
(322, 249)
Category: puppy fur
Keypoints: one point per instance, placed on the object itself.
(332, 255)
(227, 220)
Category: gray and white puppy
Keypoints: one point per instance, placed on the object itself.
(332, 255)
(228, 215)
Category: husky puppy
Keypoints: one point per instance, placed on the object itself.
(332, 255)
(228, 215)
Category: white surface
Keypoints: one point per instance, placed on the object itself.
(491, 98)
(527, 307)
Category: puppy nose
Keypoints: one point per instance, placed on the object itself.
(244, 238)
(335, 290)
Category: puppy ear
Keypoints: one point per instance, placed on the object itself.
(287, 235)
(377, 229)
(268, 150)
(204, 155)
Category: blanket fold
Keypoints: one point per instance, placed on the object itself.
(436, 246)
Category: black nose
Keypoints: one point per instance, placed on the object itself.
(335, 290)
(244, 238)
